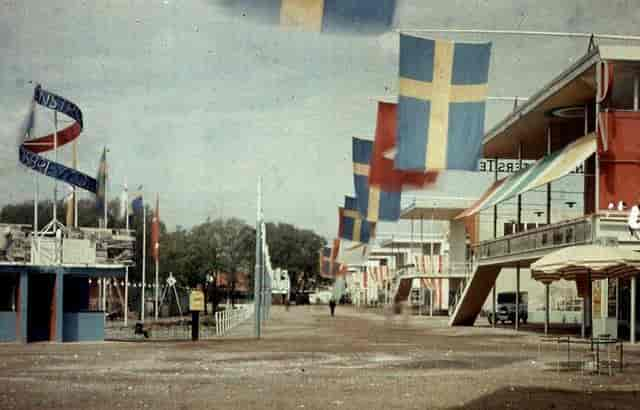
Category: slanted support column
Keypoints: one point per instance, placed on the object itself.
(22, 308)
(633, 309)
(546, 308)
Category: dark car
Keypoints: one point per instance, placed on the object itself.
(506, 308)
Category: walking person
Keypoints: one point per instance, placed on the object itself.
(332, 306)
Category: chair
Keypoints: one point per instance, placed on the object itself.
(594, 355)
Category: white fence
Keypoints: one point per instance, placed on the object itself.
(228, 319)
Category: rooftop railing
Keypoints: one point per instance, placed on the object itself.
(75, 246)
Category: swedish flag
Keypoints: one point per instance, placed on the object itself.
(441, 106)
(351, 224)
(374, 203)
(350, 16)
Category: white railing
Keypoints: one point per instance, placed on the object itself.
(228, 319)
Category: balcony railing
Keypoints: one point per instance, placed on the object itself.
(567, 233)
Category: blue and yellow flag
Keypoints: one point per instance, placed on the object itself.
(441, 106)
(374, 204)
(101, 178)
(137, 201)
(351, 224)
(333, 16)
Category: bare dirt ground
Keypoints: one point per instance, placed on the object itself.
(308, 360)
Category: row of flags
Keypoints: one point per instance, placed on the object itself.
(436, 125)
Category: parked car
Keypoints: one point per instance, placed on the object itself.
(506, 308)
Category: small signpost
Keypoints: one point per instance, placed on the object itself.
(196, 305)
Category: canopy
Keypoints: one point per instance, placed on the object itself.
(601, 261)
(549, 168)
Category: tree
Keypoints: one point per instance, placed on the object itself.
(210, 248)
(295, 250)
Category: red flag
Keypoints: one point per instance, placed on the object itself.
(382, 172)
(155, 231)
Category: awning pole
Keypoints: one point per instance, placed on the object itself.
(636, 86)
(495, 236)
(546, 308)
(518, 229)
(633, 310)
(549, 184)
(411, 250)
(597, 162)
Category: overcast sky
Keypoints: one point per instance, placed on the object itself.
(195, 100)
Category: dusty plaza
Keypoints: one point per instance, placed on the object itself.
(306, 359)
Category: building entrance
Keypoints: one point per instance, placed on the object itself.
(40, 312)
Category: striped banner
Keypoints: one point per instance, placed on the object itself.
(30, 150)
(548, 169)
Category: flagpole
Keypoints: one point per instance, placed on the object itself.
(106, 178)
(55, 153)
(257, 283)
(126, 268)
(155, 250)
(75, 190)
(144, 256)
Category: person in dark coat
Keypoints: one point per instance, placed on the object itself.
(332, 306)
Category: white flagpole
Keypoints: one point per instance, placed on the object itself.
(106, 183)
(75, 190)
(156, 256)
(126, 268)
(55, 153)
(144, 256)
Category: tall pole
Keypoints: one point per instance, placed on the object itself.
(155, 252)
(55, 153)
(144, 257)
(75, 189)
(495, 235)
(106, 196)
(549, 184)
(36, 188)
(126, 268)
(632, 338)
(518, 229)
(257, 282)
(156, 295)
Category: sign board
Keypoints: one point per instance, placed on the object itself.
(196, 301)
(511, 165)
(79, 251)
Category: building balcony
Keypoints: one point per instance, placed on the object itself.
(525, 247)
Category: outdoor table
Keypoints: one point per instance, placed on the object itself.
(602, 341)
(593, 342)
(558, 340)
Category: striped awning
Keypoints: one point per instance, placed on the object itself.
(549, 168)
(577, 261)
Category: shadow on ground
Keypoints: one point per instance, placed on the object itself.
(540, 398)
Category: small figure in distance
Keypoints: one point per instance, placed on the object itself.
(632, 223)
(332, 306)
(611, 206)
(621, 206)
